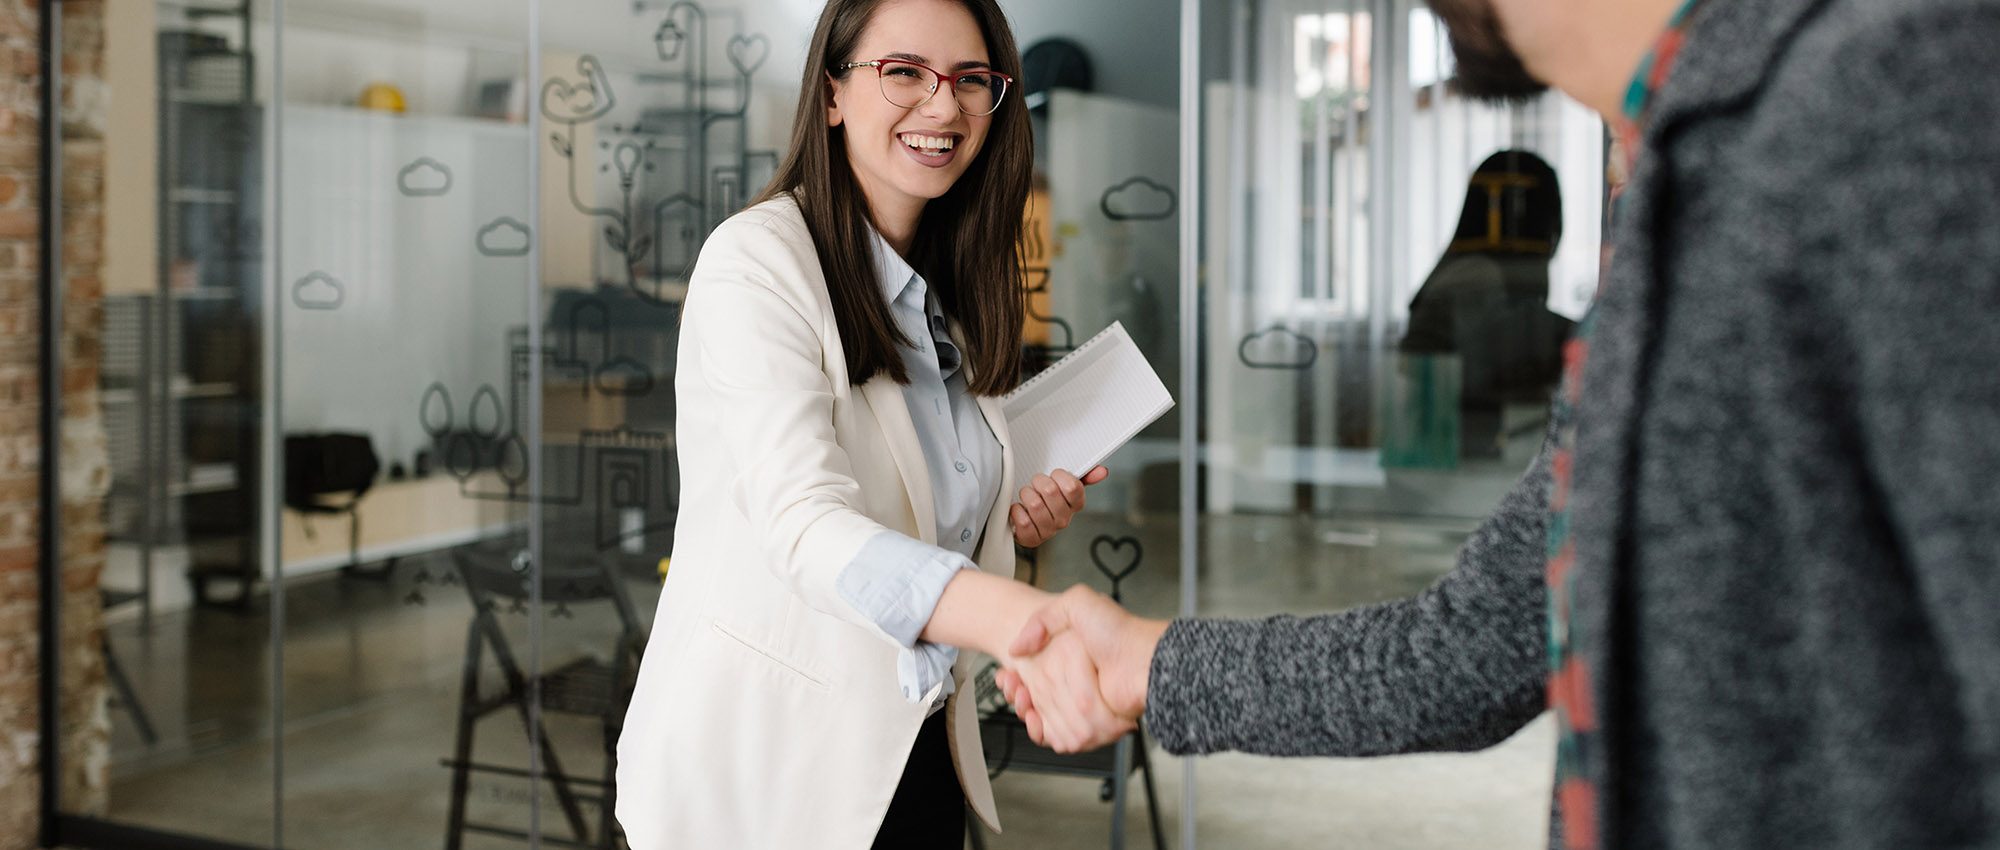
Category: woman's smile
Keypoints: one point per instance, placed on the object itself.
(931, 150)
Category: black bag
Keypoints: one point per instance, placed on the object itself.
(318, 465)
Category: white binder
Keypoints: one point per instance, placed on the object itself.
(1077, 412)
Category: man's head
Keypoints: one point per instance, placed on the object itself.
(1489, 68)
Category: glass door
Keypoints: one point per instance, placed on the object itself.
(1388, 273)
(164, 204)
(405, 282)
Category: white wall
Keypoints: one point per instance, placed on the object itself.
(418, 303)
(421, 304)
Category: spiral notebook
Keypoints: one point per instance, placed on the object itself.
(1077, 412)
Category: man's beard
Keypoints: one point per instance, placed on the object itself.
(1488, 68)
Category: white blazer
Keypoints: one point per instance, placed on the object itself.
(767, 712)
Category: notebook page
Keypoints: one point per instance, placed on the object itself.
(1083, 408)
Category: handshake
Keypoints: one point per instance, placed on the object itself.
(1077, 672)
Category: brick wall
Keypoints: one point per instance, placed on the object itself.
(85, 475)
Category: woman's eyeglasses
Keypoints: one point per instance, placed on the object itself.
(910, 85)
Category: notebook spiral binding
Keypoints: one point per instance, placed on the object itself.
(1115, 328)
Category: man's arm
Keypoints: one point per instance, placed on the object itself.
(1458, 667)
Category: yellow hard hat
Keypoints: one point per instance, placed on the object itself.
(381, 96)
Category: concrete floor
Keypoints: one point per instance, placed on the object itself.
(371, 685)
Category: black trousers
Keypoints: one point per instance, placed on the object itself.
(928, 811)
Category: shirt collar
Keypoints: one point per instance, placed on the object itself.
(899, 280)
(1653, 71)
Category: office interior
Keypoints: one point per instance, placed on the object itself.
(389, 301)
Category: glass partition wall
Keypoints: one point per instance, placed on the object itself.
(1388, 272)
(384, 356)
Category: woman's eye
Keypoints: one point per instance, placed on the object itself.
(976, 81)
(901, 71)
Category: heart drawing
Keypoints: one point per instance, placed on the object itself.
(748, 52)
(1107, 550)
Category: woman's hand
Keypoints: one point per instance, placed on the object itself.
(1048, 503)
(1121, 649)
(1069, 713)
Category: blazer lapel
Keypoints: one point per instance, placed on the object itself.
(885, 398)
(998, 550)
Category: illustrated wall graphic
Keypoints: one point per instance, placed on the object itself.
(623, 376)
(318, 291)
(613, 471)
(587, 99)
(748, 52)
(435, 410)
(504, 237)
(424, 178)
(700, 178)
(486, 401)
(1116, 557)
(612, 375)
(1277, 347)
(671, 37)
(1138, 199)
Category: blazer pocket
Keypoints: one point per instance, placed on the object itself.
(770, 655)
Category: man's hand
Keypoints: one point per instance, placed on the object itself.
(1072, 716)
(1048, 503)
(985, 612)
(1118, 644)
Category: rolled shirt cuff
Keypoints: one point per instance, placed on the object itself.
(896, 583)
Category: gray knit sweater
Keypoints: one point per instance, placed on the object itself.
(1787, 478)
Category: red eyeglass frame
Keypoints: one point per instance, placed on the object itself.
(948, 79)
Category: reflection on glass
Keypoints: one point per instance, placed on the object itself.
(1101, 248)
(406, 242)
(1487, 301)
(186, 638)
(1380, 341)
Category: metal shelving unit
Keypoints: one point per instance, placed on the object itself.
(184, 397)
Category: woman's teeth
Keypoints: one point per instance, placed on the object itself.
(927, 145)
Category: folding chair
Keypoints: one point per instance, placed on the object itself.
(495, 574)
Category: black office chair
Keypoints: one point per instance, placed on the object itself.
(496, 573)
(327, 475)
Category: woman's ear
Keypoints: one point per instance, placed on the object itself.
(832, 103)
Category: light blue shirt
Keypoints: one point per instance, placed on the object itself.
(894, 580)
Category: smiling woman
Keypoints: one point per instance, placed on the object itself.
(965, 207)
(848, 520)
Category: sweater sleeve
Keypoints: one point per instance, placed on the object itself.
(1458, 667)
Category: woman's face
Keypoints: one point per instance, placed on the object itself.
(905, 157)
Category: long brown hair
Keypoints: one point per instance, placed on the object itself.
(967, 245)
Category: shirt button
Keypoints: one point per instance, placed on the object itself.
(960, 465)
(965, 535)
